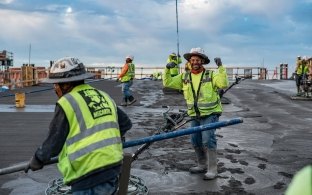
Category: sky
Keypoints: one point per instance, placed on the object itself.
(258, 33)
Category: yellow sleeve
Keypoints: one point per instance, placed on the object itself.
(220, 78)
(301, 183)
(172, 82)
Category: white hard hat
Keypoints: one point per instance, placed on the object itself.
(197, 52)
(67, 69)
(129, 57)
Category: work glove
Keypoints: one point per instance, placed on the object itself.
(34, 164)
(221, 92)
(170, 65)
(218, 61)
(117, 80)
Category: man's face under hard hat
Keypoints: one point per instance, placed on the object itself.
(196, 62)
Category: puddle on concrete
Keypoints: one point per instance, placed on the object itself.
(27, 108)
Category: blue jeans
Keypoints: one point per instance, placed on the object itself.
(205, 138)
(108, 188)
(126, 88)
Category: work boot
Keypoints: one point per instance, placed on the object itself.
(131, 100)
(201, 161)
(211, 164)
(124, 101)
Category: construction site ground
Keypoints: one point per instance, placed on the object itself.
(258, 156)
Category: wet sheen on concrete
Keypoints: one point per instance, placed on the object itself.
(258, 156)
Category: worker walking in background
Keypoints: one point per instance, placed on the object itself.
(126, 78)
(85, 132)
(175, 60)
(200, 88)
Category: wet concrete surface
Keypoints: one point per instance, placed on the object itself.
(259, 156)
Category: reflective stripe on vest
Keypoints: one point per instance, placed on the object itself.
(211, 105)
(205, 105)
(84, 132)
(93, 135)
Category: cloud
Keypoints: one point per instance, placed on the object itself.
(6, 1)
(104, 31)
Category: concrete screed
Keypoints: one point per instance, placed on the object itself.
(259, 156)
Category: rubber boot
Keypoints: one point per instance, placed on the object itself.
(201, 161)
(211, 164)
(124, 102)
(131, 100)
(298, 91)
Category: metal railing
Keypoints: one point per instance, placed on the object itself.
(15, 78)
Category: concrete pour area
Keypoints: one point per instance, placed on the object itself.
(259, 156)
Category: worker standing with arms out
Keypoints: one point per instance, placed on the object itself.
(200, 89)
(126, 78)
(175, 61)
(85, 132)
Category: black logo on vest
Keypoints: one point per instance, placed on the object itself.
(96, 102)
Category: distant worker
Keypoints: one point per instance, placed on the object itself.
(309, 65)
(187, 67)
(175, 60)
(200, 88)
(301, 72)
(85, 132)
(157, 75)
(126, 78)
(301, 183)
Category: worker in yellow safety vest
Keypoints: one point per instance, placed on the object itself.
(175, 61)
(187, 67)
(126, 77)
(85, 132)
(301, 72)
(200, 88)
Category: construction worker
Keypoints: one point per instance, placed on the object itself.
(187, 66)
(126, 78)
(309, 66)
(156, 75)
(85, 132)
(301, 72)
(175, 60)
(200, 88)
(301, 182)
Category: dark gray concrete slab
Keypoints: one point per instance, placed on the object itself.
(258, 156)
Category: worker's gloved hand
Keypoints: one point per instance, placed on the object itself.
(218, 61)
(117, 80)
(221, 92)
(34, 164)
(170, 65)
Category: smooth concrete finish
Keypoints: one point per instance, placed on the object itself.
(258, 156)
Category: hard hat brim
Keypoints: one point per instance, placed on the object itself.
(69, 79)
(188, 56)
